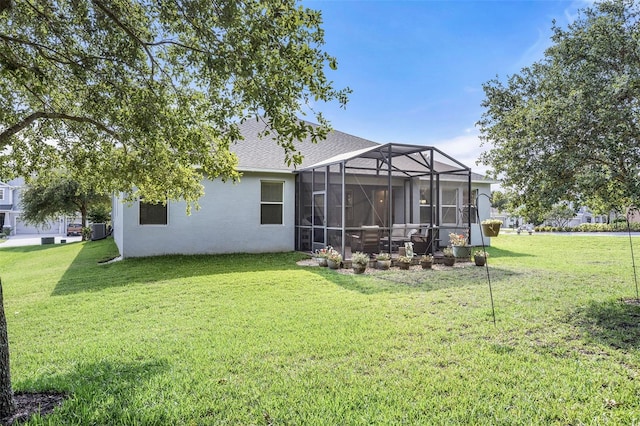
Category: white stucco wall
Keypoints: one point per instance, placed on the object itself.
(228, 221)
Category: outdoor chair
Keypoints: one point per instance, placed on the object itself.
(367, 241)
(422, 244)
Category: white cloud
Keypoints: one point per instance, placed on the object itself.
(465, 148)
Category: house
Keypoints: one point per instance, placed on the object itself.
(11, 212)
(344, 184)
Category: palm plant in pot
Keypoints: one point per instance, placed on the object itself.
(480, 257)
(359, 262)
(491, 227)
(426, 261)
(383, 260)
(449, 259)
(404, 262)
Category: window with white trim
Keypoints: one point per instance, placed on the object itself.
(271, 202)
(449, 206)
(153, 213)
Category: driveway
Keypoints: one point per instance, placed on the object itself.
(35, 240)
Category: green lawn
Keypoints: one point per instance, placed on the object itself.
(245, 339)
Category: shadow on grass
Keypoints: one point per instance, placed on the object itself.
(85, 274)
(613, 322)
(99, 393)
(415, 280)
(497, 252)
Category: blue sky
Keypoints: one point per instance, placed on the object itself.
(416, 68)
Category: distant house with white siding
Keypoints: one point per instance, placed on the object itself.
(11, 212)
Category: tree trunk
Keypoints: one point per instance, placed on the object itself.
(7, 405)
(83, 212)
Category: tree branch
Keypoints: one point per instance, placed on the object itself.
(28, 120)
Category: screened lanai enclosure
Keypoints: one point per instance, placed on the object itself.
(378, 198)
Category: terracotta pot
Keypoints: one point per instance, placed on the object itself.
(404, 265)
(449, 261)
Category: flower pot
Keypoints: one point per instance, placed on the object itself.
(480, 260)
(333, 264)
(449, 261)
(404, 265)
(358, 268)
(462, 251)
(490, 229)
(383, 264)
(322, 261)
(425, 264)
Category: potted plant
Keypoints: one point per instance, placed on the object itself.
(491, 227)
(459, 245)
(359, 262)
(321, 256)
(449, 259)
(383, 260)
(426, 261)
(334, 259)
(480, 257)
(404, 262)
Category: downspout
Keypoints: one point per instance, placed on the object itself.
(469, 205)
(389, 194)
(343, 213)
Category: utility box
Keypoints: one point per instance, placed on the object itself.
(47, 240)
(98, 231)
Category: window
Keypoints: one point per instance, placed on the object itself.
(153, 213)
(469, 209)
(271, 202)
(1, 194)
(450, 206)
(425, 204)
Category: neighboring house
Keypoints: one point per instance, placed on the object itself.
(10, 212)
(345, 183)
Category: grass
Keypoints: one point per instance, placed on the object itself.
(247, 339)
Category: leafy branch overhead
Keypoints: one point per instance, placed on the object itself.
(568, 126)
(134, 93)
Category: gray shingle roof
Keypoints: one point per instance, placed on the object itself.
(255, 153)
(264, 154)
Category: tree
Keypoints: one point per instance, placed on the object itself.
(47, 197)
(568, 126)
(500, 201)
(145, 97)
(560, 215)
(7, 404)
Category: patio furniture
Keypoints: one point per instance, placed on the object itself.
(402, 233)
(423, 243)
(367, 240)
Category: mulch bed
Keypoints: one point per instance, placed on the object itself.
(31, 403)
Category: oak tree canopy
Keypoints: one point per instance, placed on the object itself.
(149, 94)
(567, 128)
